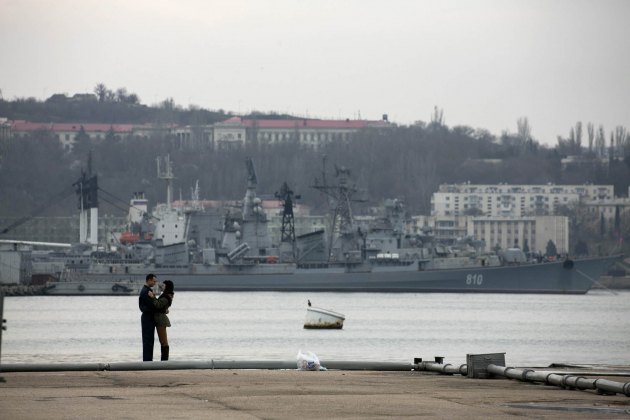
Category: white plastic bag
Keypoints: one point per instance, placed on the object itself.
(307, 361)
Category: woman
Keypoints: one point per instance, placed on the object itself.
(161, 320)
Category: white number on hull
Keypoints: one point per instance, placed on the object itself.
(474, 279)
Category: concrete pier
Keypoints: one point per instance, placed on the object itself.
(289, 394)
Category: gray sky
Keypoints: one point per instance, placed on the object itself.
(486, 63)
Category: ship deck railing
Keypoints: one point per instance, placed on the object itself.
(118, 261)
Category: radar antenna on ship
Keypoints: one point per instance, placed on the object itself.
(287, 230)
(340, 196)
(286, 196)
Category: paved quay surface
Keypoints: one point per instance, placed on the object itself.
(291, 394)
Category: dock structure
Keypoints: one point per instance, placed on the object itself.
(289, 394)
(478, 366)
(492, 365)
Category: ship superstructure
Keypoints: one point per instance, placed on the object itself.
(375, 258)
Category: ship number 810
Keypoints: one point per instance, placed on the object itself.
(474, 279)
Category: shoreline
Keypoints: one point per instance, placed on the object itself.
(12, 290)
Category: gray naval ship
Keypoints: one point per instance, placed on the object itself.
(376, 258)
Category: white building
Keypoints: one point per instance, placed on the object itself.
(237, 131)
(610, 209)
(501, 232)
(504, 200)
(230, 134)
(233, 133)
(68, 133)
(532, 233)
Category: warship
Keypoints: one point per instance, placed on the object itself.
(377, 258)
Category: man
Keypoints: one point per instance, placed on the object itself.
(145, 302)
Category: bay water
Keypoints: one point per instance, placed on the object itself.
(533, 330)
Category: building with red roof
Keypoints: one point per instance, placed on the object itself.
(237, 131)
(67, 133)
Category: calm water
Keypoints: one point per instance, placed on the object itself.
(530, 329)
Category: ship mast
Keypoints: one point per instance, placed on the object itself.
(340, 196)
(249, 205)
(86, 189)
(165, 171)
(287, 230)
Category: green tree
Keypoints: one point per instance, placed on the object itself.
(111, 135)
(81, 135)
(581, 248)
(551, 249)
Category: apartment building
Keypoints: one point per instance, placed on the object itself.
(505, 200)
(529, 232)
(613, 210)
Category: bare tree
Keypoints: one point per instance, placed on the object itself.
(121, 94)
(621, 138)
(133, 99)
(590, 128)
(437, 118)
(110, 96)
(524, 129)
(600, 141)
(578, 136)
(101, 92)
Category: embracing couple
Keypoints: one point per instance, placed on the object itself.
(154, 310)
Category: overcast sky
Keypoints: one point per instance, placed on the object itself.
(486, 63)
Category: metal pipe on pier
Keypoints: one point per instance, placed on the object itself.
(446, 369)
(493, 364)
(602, 386)
(376, 366)
(210, 364)
(53, 367)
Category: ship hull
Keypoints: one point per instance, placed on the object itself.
(105, 287)
(574, 277)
